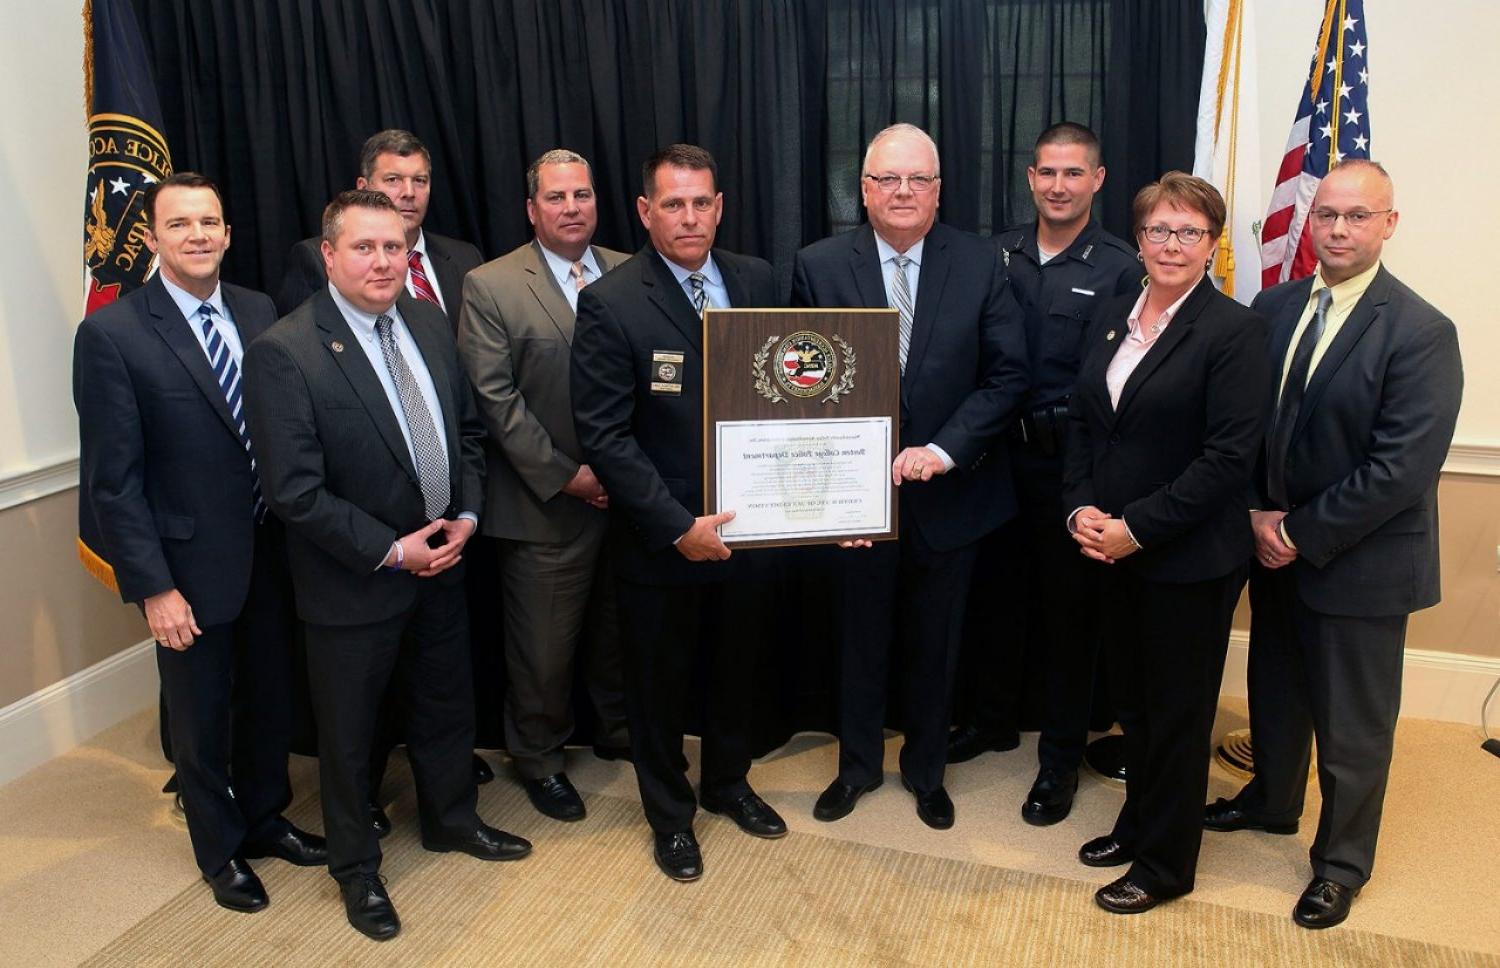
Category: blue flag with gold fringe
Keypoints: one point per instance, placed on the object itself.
(127, 153)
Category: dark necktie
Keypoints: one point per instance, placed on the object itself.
(221, 361)
(1290, 403)
(419, 281)
(901, 290)
(432, 469)
(700, 294)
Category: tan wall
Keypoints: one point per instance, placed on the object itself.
(58, 620)
(1468, 618)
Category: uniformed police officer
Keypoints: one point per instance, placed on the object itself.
(1061, 266)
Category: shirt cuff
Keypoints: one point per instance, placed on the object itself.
(469, 516)
(1286, 539)
(948, 464)
(1073, 529)
(1131, 535)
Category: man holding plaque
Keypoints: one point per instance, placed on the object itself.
(907, 598)
(637, 386)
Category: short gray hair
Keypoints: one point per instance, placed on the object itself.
(557, 156)
(902, 128)
(391, 141)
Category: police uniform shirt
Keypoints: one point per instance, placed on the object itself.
(1060, 297)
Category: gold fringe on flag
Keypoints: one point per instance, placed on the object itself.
(102, 571)
(1233, 40)
(88, 58)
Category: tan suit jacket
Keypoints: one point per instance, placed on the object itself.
(515, 331)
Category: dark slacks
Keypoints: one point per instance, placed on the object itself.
(1337, 677)
(228, 699)
(668, 633)
(901, 608)
(1029, 653)
(559, 608)
(1165, 645)
(426, 650)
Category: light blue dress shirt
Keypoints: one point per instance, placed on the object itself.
(562, 271)
(888, 270)
(189, 304)
(718, 296)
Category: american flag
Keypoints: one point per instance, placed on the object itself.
(1332, 124)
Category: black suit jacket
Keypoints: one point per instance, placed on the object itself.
(451, 259)
(965, 369)
(1175, 457)
(166, 485)
(1369, 442)
(647, 447)
(334, 465)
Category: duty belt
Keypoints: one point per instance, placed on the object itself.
(1042, 429)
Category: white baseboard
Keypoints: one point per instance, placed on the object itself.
(52, 721)
(1445, 686)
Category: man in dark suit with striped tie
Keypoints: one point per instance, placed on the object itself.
(168, 481)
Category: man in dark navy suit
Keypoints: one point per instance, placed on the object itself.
(1367, 385)
(168, 484)
(963, 374)
(398, 165)
(637, 382)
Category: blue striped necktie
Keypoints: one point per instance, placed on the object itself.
(228, 375)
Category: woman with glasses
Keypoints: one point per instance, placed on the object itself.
(1164, 429)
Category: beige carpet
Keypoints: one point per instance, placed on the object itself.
(92, 866)
(588, 899)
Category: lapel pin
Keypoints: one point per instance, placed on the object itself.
(338, 347)
(1109, 337)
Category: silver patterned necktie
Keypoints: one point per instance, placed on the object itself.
(901, 291)
(700, 294)
(432, 468)
(228, 375)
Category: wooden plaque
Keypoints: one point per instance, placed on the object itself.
(799, 398)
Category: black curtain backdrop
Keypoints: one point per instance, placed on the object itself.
(274, 98)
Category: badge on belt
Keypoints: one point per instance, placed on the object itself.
(666, 372)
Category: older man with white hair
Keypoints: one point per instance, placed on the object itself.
(963, 363)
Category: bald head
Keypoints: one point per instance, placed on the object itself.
(1352, 215)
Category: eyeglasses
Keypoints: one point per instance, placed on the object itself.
(917, 183)
(1187, 235)
(1326, 218)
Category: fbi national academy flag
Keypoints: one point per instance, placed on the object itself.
(127, 153)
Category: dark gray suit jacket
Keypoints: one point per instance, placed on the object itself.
(1366, 450)
(333, 462)
(515, 333)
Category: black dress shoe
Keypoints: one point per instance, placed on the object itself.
(483, 842)
(752, 814)
(1051, 797)
(1105, 852)
(292, 845)
(678, 856)
(482, 772)
(837, 802)
(605, 752)
(1324, 904)
(934, 807)
(967, 742)
(379, 821)
(1125, 896)
(369, 907)
(1227, 814)
(554, 796)
(237, 888)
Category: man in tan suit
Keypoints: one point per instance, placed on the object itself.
(546, 506)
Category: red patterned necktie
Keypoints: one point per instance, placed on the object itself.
(419, 283)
